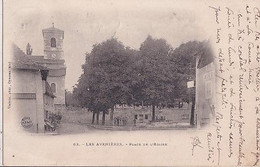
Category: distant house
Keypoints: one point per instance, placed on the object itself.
(32, 96)
(205, 85)
(142, 117)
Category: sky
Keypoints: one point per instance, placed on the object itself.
(87, 22)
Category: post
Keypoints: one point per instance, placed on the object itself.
(192, 109)
(191, 88)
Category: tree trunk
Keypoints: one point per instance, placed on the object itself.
(142, 104)
(97, 117)
(153, 112)
(93, 117)
(112, 115)
(104, 118)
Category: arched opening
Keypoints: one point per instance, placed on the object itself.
(53, 42)
(53, 87)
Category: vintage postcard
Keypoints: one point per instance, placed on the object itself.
(131, 83)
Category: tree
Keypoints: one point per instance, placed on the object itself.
(157, 73)
(91, 90)
(106, 78)
(184, 58)
(70, 99)
(115, 74)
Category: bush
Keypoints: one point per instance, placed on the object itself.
(52, 122)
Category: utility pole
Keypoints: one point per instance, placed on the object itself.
(191, 87)
(192, 118)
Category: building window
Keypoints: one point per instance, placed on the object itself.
(53, 42)
(53, 87)
(141, 117)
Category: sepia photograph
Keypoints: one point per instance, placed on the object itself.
(127, 83)
(120, 88)
(134, 78)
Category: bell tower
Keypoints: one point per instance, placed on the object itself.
(53, 43)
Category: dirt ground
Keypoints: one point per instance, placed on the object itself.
(78, 120)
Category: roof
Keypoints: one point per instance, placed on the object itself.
(40, 59)
(56, 67)
(205, 56)
(52, 29)
(22, 61)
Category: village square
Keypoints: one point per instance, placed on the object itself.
(156, 87)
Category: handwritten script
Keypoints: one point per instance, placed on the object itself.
(236, 41)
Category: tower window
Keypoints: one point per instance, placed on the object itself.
(53, 87)
(53, 42)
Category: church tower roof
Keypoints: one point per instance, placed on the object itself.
(52, 29)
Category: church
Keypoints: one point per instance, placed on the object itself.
(53, 59)
(38, 89)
